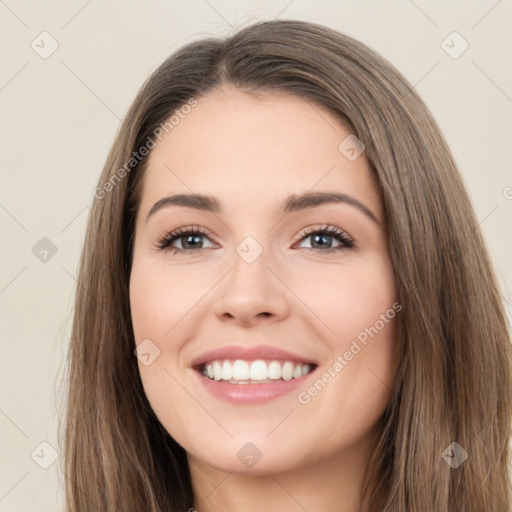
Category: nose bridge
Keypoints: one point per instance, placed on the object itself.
(251, 290)
(250, 275)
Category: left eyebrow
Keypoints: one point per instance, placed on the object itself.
(312, 199)
(293, 203)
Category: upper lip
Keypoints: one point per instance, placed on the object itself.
(249, 353)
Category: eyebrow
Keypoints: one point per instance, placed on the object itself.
(293, 203)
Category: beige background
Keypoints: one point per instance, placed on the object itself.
(59, 116)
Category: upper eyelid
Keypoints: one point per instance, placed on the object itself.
(303, 232)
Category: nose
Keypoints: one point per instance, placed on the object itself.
(252, 293)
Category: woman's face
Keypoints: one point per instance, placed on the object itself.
(257, 292)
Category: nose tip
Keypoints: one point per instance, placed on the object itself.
(251, 294)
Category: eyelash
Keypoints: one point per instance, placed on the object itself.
(165, 242)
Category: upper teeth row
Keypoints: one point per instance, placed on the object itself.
(255, 370)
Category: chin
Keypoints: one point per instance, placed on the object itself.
(250, 455)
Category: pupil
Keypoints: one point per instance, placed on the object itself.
(316, 237)
(188, 238)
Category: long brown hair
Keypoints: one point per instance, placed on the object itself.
(454, 380)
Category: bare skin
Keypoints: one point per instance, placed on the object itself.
(252, 152)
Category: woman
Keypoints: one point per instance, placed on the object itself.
(282, 238)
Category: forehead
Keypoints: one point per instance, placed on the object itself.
(244, 148)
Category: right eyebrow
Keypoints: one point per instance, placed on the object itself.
(293, 203)
(195, 201)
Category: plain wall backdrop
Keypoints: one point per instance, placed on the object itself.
(70, 70)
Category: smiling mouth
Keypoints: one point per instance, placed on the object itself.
(259, 371)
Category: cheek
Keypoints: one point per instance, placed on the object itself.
(359, 306)
(351, 299)
(149, 299)
(160, 298)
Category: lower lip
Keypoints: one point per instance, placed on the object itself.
(251, 393)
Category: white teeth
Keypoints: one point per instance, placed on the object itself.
(227, 371)
(240, 370)
(245, 372)
(258, 370)
(287, 371)
(217, 370)
(274, 370)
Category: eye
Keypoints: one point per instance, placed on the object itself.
(188, 237)
(190, 240)
(321, 239)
